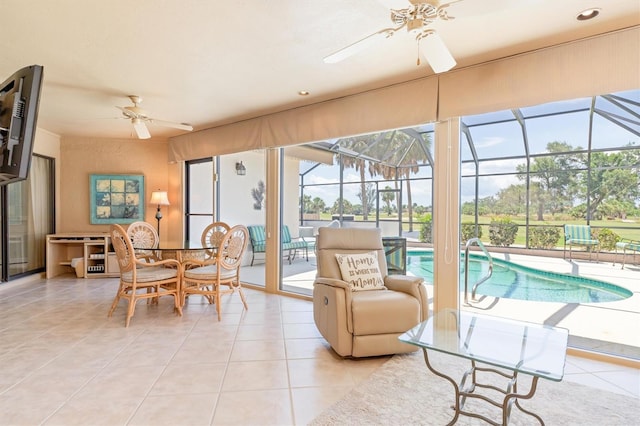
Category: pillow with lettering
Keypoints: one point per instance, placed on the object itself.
(361, 271)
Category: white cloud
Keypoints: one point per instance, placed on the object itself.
(487, 142)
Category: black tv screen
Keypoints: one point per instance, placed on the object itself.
(19, 100)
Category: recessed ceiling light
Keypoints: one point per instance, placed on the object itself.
(587, 14)
(303, 93)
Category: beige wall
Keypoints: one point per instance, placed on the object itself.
(236, 202)
(81, 157)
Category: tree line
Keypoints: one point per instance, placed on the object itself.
(569, 182)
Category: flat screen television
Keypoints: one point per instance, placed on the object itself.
(19, 101)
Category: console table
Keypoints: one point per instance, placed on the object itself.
(92, 251)
(519, 347)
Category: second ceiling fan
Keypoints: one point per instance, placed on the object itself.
(415, 16)
(139, 117)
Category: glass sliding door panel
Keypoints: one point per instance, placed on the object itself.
(199, 198)
(297, 256)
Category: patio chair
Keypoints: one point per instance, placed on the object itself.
(307, 234)
(626, 244)
(290, 246)
(141, 279)
(358, 308)
(580, 235)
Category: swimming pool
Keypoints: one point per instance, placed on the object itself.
(519, 282)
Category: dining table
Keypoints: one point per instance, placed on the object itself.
(181, 253)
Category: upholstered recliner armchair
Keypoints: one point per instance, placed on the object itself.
(361, 317)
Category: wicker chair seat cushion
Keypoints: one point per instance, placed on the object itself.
(209, 272)
(157, 273)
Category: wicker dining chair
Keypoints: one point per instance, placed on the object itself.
(209, 276)
(144, 236)
(212, 237)
(140, 279)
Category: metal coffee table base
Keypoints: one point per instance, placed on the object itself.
(511, 395)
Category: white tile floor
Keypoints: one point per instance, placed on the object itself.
(63, 362)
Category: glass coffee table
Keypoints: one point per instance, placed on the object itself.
(516, 347)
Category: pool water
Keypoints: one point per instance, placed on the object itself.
(512, 281)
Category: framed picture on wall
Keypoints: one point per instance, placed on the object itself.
(116, 198)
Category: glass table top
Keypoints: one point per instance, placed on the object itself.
(182, 253)
(534, 349)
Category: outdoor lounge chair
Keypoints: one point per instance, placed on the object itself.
(580, 235)
(258, 237)
(632, 245)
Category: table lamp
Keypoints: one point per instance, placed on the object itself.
(160, 199)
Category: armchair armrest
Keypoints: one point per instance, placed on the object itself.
(333, 282)
(334, 286)
(413, 286)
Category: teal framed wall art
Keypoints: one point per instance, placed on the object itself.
(116, 198)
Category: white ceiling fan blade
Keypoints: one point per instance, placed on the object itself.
(359, 45)
(436, 53)
(140, 128)
(163, 123)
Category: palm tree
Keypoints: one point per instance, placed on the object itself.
(400, 153)
(358, 144)
(388, 198)
(401, 156)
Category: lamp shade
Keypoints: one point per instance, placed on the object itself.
(159, 198)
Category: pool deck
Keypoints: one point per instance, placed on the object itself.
(612, 327)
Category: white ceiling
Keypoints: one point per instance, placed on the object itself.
(209, 62)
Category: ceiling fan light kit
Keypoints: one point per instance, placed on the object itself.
(416, 17)
(140, 128)
(139, 117)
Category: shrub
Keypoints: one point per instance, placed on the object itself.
(468, 231)
(426, 235)
(544, 237)
(607, 238)
(502, 231)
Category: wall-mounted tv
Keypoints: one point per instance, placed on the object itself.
(19, 100)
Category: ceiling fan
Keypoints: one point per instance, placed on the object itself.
(139, 117)
(415, 16)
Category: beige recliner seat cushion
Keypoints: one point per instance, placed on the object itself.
(384, 312)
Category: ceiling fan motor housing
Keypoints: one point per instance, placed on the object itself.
(419, 15)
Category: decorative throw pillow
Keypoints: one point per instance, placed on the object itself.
(361, 270)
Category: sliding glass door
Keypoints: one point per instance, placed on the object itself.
(27, 216)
